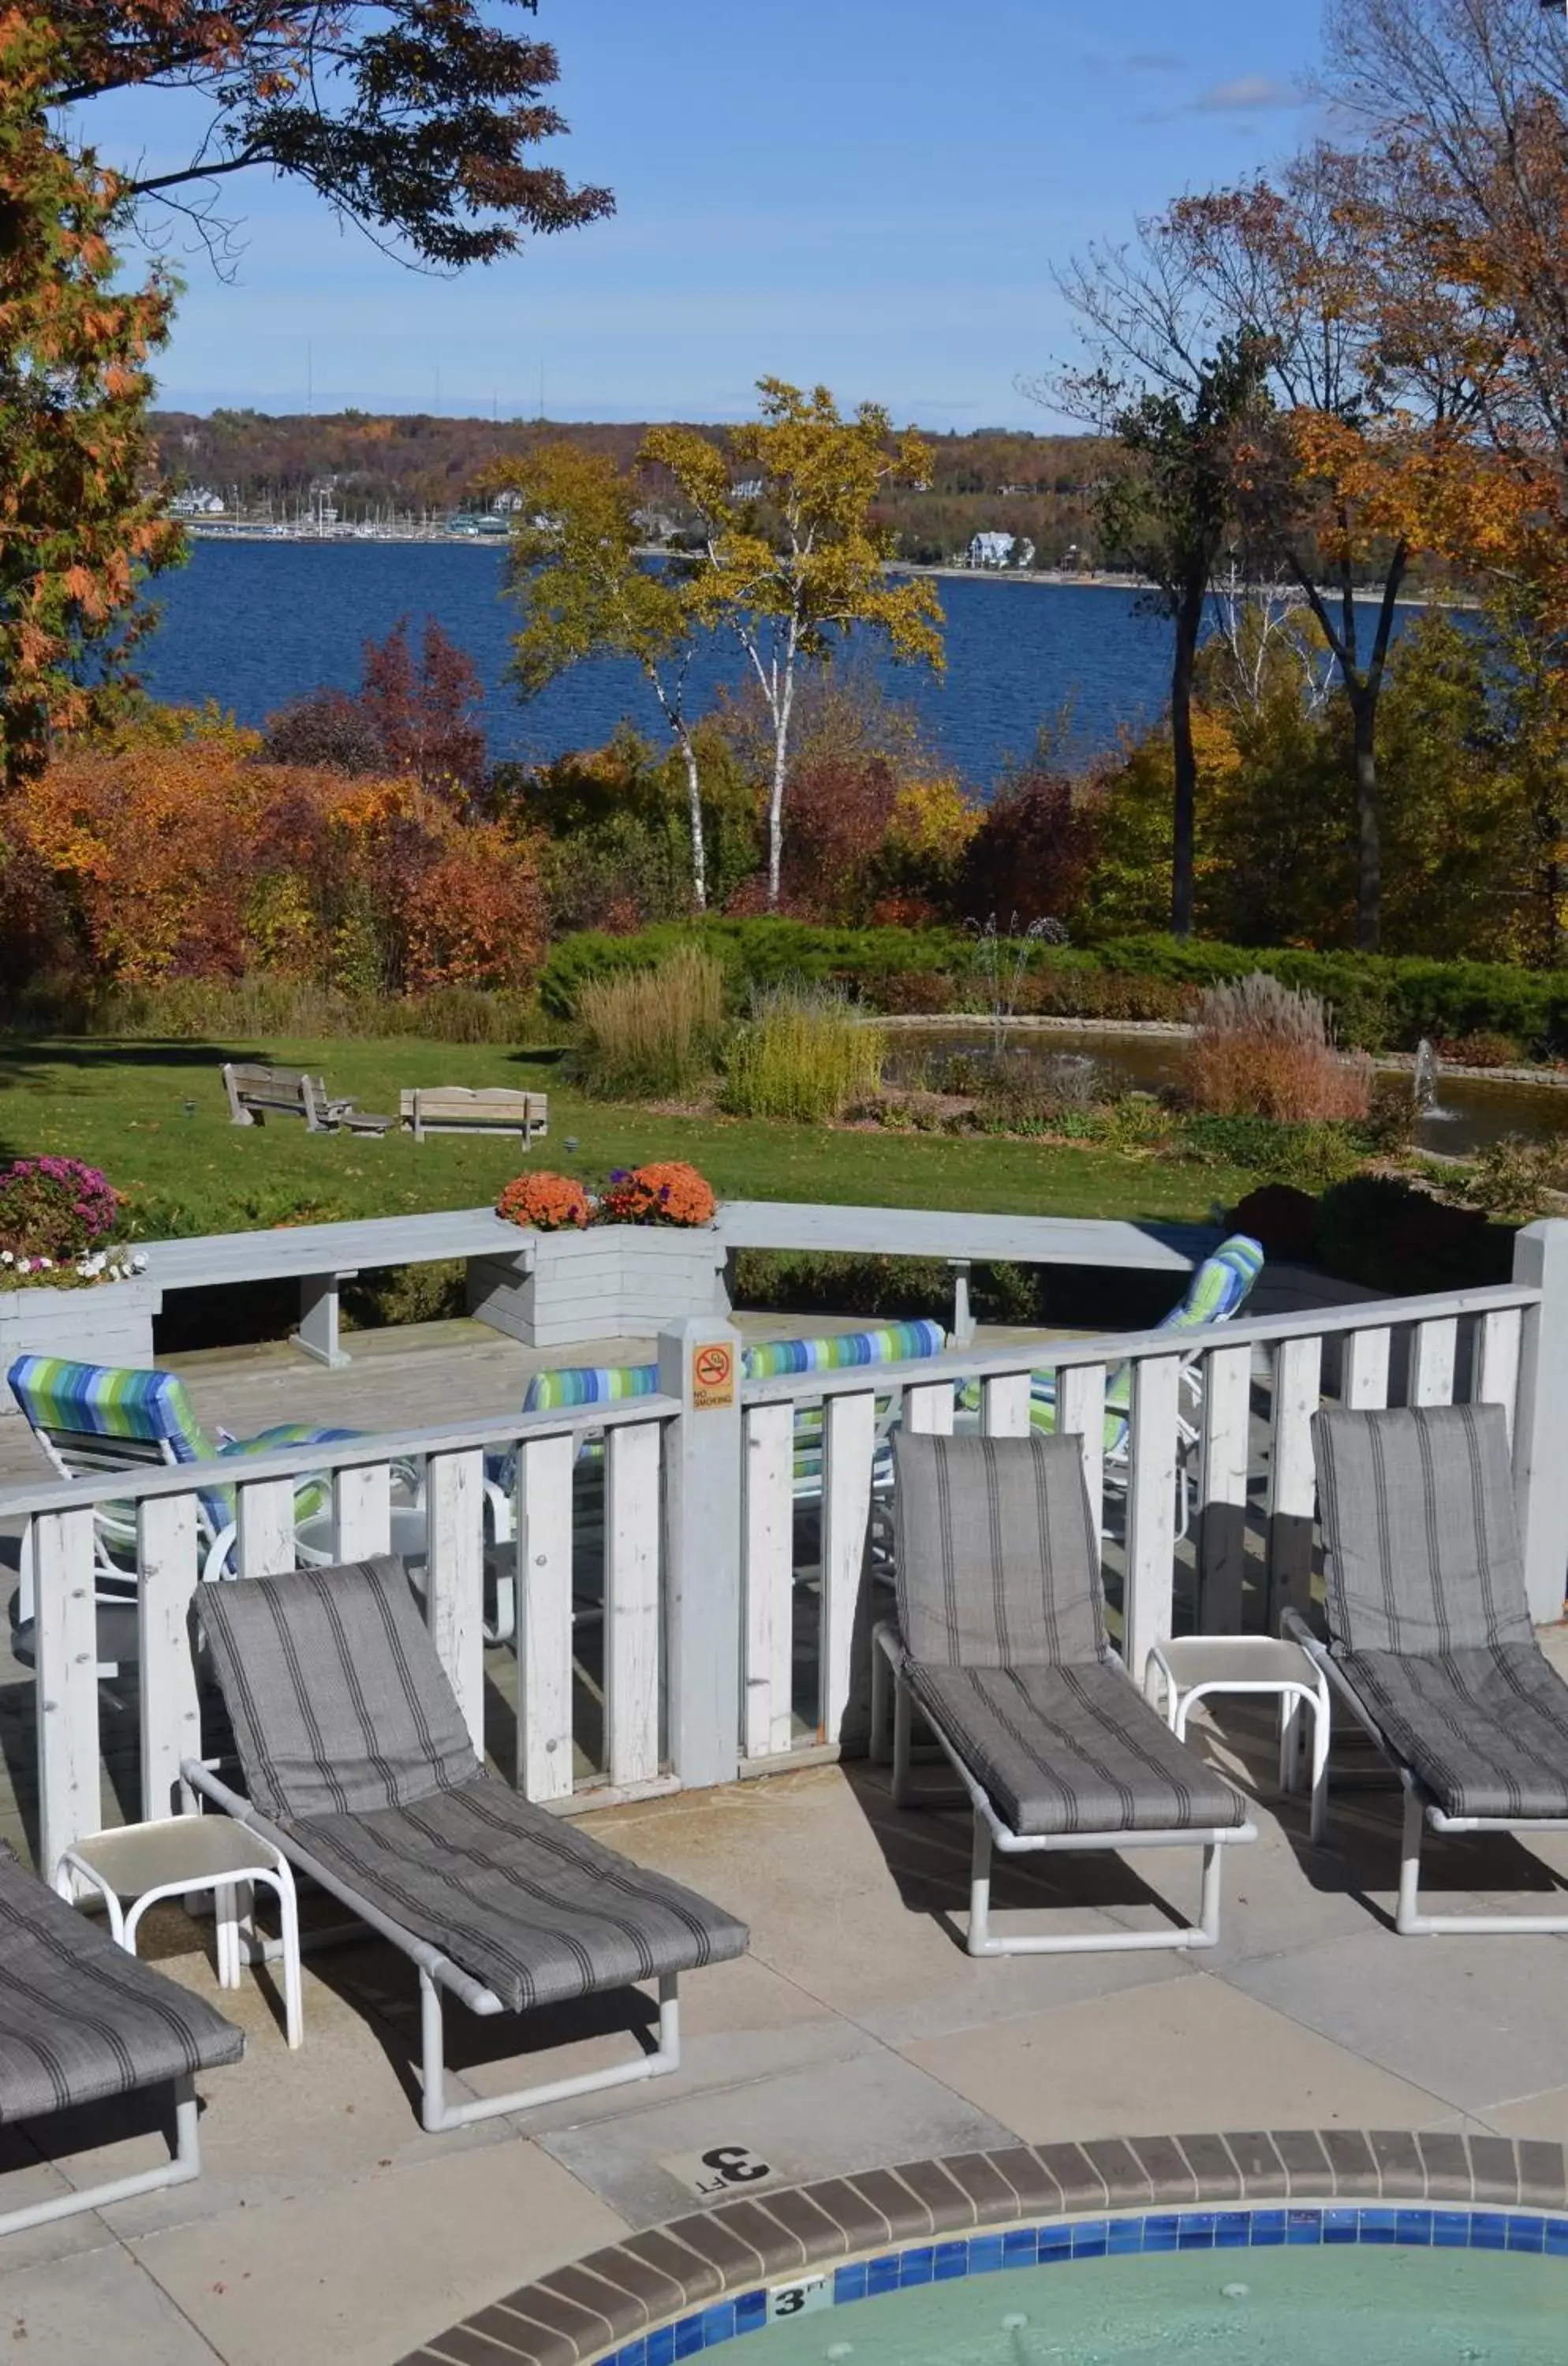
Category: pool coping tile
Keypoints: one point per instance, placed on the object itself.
(677, 2289)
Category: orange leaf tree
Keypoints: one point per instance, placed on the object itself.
(80, 525)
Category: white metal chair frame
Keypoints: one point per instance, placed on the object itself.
(437, 1972)
(1421, 1811)
(182, 2167)
(992, 1831)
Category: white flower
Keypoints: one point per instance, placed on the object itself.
(45, 1265)
(139, 1263)
(6, 1257)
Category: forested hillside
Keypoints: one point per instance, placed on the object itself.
(1034, 486)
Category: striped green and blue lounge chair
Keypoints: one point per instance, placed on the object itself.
(1218, 1291)
(891, 1342)
(94, 1417)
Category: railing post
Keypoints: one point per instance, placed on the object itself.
(1541, 1465)
(699, 1363)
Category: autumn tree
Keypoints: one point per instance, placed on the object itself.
(792, 560)
(577, 574)
(419, 120)
(1167, 504)
(79, 526)
(1377, 378)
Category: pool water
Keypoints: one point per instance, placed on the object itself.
(1359, 2305)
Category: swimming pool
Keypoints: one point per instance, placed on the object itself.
(1282, 2307)
(1293, 2286)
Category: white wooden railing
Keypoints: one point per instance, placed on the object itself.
(627, 1611)
(701, 1616)
(1226, 1416)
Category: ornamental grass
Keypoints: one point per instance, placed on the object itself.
(1261, 1049)
(652, 1033)
(806, 1054)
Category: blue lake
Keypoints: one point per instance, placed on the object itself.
(254, 625)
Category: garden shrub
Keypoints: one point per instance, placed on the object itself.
(1483, 1049)
(1398, 1239)
(1309, 1156)
(1280, 1216)
(1517, 1179)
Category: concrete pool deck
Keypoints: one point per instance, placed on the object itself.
(856, 2034)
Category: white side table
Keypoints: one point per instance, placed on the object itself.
(1193, 1666)
(179, 1855)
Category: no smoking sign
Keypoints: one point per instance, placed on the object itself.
(713, 1376)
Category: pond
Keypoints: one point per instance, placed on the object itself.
(1470, 1114)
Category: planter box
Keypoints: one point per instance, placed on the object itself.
(110, 1325)
(610, 1282)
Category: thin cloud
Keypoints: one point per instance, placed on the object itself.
(1245, 94)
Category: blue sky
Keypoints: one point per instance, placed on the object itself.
(867, 193)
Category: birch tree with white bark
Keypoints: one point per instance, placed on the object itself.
(792, 560)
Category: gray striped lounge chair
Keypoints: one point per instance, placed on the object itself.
(359, 1767)
(1430, 1643)
(1002, 1645)
(81, 2021)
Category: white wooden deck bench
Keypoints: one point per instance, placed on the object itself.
(324, 1256)
(256, 1092)
(965, 1239)
(487, 1109)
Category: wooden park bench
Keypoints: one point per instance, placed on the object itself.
(256, 1093)
(457, 1108)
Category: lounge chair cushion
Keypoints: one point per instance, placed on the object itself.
(524, 1901)
(79, 2018)
(338, 1701)
(1072, 1750)
(1486, 1732)
(998, 1561)
(1422, 1549)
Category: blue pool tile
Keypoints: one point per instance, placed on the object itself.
(950, 2260)
(751, 2311)
(1232, 2231)
(1160, 2232)
(1304, 2226)
(633, 2354)
(1488, 2230)
(916, 2267)
(1526, 2234)
(1450, 2230)
(1195, 2230)
(1124, 2235)
(848, 2283)
(1379, 2226)
(986, 2253)
(718, 2322)
(1056, 2242)
(1268, 2226)
(1020, 2246)
(1414, 2225)
(689, 2337)
(661, 2346)
(1557, 2236)
(882, 2274)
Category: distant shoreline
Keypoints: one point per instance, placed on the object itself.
(1052, 578)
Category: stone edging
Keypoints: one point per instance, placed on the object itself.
(609, 2298)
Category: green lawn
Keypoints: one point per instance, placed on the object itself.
(122, 1104)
